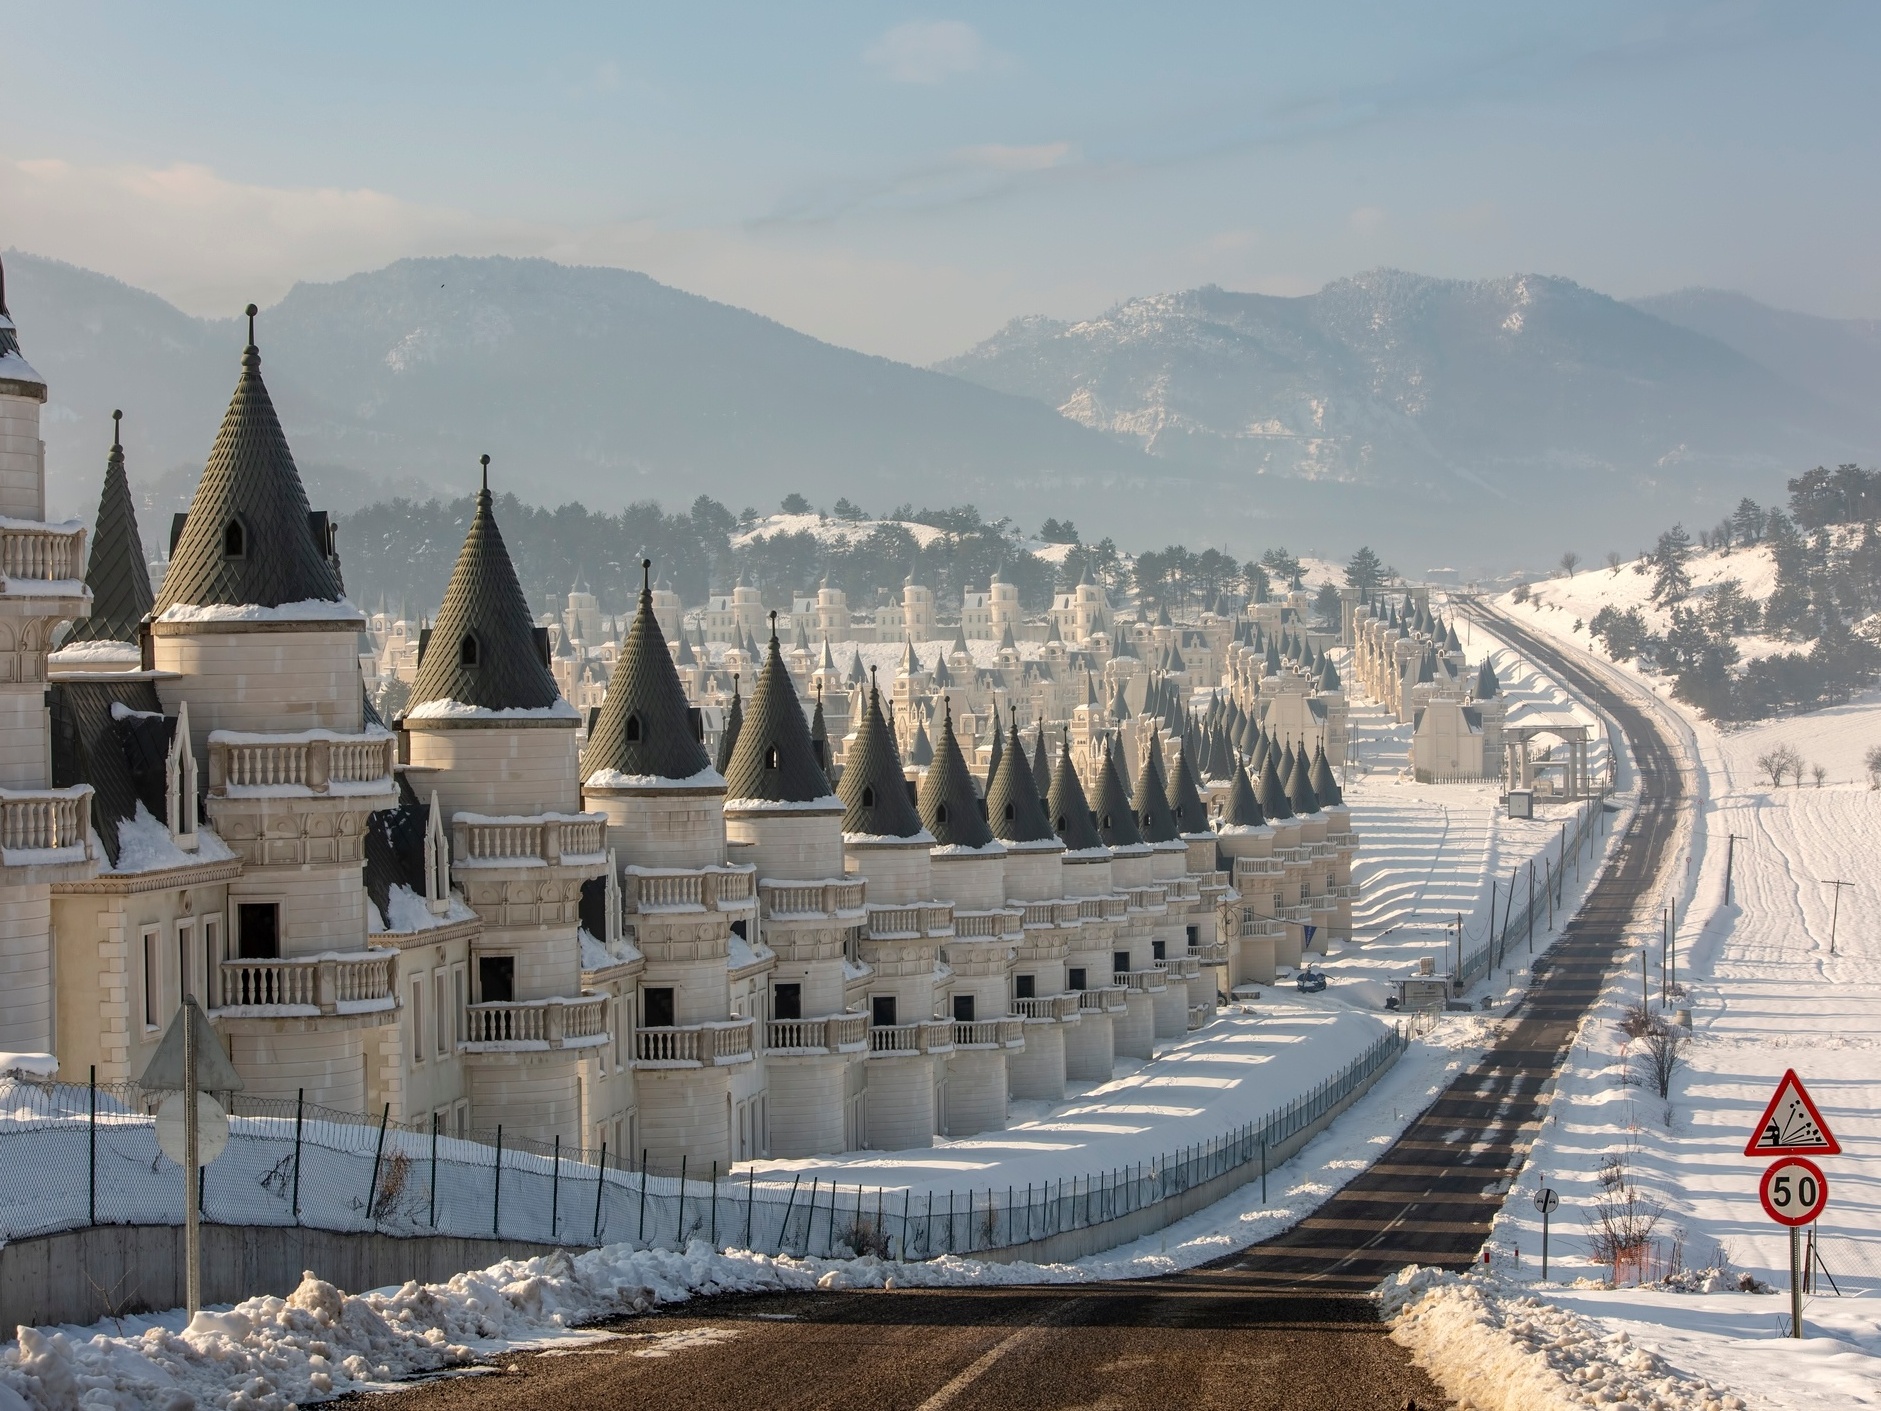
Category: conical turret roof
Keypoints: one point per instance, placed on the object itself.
(684, 656)
(1244, 808)
(1185, 800)
(1328, 676)
(117, 575)
(249, 538)
(1041, 759)
(921, 750)
(1488, 685)
(1273, 794)
(728, 737)
(1014, 810)
(873, 790)
(1005, 639)
(1300, 787)
(1070, 810)
(483, 650)
(1153, 816)
(1325, 783)
(14, 368)
(819, 736)
(960, 640)
(645, 725)
(1116, 820)
(774, 762)
(950, 806)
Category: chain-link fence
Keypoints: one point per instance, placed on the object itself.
(74, 1155)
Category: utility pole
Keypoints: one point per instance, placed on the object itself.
(1645, 993)
(1531, 906)
(1459, 950)
(1836, 911)
(1731, 841)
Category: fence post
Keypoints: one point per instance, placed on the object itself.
(751, 1200)
(641, 1237)
(714, 1226)
(496, 1198)
(600, 1185)
(300, 1107)
(434, 1170)
(679, 1227)
(91, 1160)
(783, 1228)
(1263, 1167)
(555, 1192)
(378, 1155)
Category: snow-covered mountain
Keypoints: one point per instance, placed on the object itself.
(1527, 389)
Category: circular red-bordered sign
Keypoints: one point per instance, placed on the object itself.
(1793, 1191)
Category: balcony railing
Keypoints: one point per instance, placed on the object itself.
(312, 762)
(1346, 839)
(1180, 967)
(1105, 999)
(918, 919)
(1183, 889)
(811, 898)
(43, 553)
(672, 889)
(1038, 915)
(1343, 891)
(989, 1033)
(924, 1036)
(1214, 954)
(1260, 926)
(536, 1024)
(984, 924)
(42, 820)
(551, 838)
(1146, 982)
(716, 1045)
(1250, 867)
(1198, 1015)
(834, 1033)
(1048, 1008)
(356, 982)
(1147, 899)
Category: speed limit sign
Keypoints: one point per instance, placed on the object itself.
(1794, 1191)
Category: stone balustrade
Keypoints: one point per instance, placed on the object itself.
(970, 925)
(912, 921)
(43, 553)
(45, 820)
(550, 838)
(1105, 999)
(1060, 1009)
(1180, 967)
(716, 1045)
(1147, 899)
(1261, 926)
(659, 889)
(1248, 868)
(923, 1036)
(523, 1025)
(316, 762)
(1147, 982)
(989, 1033)
(355, 982)
(1038, 915)
(833, 1033)
(1215, 953)
(831, 898)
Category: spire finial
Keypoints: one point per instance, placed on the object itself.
(117, 421)
(646, 577)
(874, 690)
(485, 462)
(251, 311)
(773, 627)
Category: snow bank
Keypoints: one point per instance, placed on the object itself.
(1494, 1347)
(145, 845)
(307, 610)
(707, 778)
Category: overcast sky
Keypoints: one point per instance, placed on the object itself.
(905, 180)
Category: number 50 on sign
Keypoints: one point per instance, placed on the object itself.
(1794, 1191)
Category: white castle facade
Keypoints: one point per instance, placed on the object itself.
(707, 890)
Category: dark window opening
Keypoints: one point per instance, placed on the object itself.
(1194, 935)
(656, 1008)
(467, 651)
(1059, 826)
(738, 930)
(633, 726)
(1156, 949)
(1107, 823)
(234, 540)
(787, 1001)
(882, 1011)
(963, 1009)
(940, 813)
(1120, 961)
(770, 757)
(1076, 980)
(1025, 986)
(868, 796)
(496, 979)
(1009, 813)
(258, 930)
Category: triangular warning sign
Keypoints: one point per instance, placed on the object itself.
(1791, 1125)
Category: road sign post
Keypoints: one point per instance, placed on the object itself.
(1794, 1190)
(1547, 1201)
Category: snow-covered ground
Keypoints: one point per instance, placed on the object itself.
(1765, 995)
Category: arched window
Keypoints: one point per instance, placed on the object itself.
(234, 540)
(633, 726)
(1009, 813)
(868, 796)
(1059, 826)
(940, 813)
(467, 654)
(770, 757)
(1107, 822)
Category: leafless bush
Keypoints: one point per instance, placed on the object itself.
(1614, 560)
(867, 1236)
(1521, 593)
(1569, 562)
(1660, 1058)
(392, 1180)
(1778, 761)
(1873, 761)
(1818, 772)
(1637, 1021)
(1623, 1219)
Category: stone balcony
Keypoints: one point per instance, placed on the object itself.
(812, 900)
(1180, 967)
(1214, 954)
(932, 920)
(720, 1044)
(303, 764)
(1261, 926)
(1343, 891)
(907, 1040)
(1105, 999)
(1111, 908)
(330, 984)
(1185, 888)
(1148, 982)
(525, 1026)
(1349, 839)
(988, 925)
(671, 890)
(1006, 1033)
(1048, 1009)
(1044, 915)
(45, 835)
(1248, 869)
(540, 840)
(39, 554)
(1148, 899)
(833, 1033)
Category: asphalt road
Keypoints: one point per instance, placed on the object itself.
(1281, 1325)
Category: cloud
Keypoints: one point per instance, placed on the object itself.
(209, 245)
(1366, 219)
(931, 51)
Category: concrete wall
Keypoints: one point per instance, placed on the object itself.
(22, 459)
(26, 969)
(505, 772)
(299, 679)
(81, 1276)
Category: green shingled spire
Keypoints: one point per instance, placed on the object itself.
(117, 575)
(1325, 784)
(1013, 807)
(774, 762)
(1244, 809)
(950, 806)
(873, 789)
(728, 737)
(1116, 820)
(1185, 801)
(1273, 794)
(1300, 787)
(1070, 810)
(1153, 816)
(645, 725)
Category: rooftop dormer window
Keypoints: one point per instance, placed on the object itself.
(633, 728)
(467, 650)
(770, 757)
(234, 540)
(940, 814)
